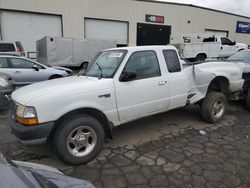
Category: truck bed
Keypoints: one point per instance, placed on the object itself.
(191, 50)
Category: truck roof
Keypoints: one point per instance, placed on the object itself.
(141, 48)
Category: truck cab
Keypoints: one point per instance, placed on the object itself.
(227, 46)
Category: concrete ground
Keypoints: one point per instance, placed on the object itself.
(165, 150)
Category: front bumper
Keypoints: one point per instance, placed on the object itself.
(31, 135)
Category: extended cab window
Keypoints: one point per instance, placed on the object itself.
(172, 60)
(145, 64)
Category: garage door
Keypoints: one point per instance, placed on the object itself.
(107, 30)
(152, 34)
(29, 27)
(216, 32)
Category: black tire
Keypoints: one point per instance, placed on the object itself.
(200, 57)
(248, 100)
(214, 107)
(84, 65)
(64, 132)
(55, 77)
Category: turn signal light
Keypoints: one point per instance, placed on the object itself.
(27, 121)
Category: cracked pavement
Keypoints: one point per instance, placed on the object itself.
(164, 150)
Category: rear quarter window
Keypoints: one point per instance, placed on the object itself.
(172, 61)
(7, 47)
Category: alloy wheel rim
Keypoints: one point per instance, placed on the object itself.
(81, 141)
(218, 109)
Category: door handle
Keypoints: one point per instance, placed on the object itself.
(18, 72)
(161, 83)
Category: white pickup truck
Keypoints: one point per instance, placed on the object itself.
(119, 86)
(211, 47)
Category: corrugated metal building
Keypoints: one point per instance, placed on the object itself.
(129, 22)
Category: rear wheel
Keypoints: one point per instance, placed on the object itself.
(200, 57)
(84, 65)
(214, 107)
(79, 140)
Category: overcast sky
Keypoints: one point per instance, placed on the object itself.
(241, 7)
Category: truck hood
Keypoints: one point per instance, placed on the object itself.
(68, 86)
(245, 46)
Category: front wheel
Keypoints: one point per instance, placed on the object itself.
(214, 107)
(79, 140)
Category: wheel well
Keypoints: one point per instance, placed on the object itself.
(202, 54)
(83, 63)
(55, 76)
(107, 126)
(219, 84)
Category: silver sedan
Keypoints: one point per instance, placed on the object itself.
(25, 71)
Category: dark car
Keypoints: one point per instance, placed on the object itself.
(6, 88)
(25, 174)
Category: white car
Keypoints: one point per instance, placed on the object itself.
(25, 71)
(119, 86)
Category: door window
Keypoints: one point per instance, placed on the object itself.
(226, 41)
(172, 60)
(3, 63)
(144, 63)
(20, 63)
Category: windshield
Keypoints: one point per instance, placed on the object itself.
(241, 56)
(105, 64)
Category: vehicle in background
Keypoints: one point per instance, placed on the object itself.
(120, 85)
(25, 71)
(69, 52)
(15, 48)
(6, 88)
(244, 56)
(25, 174)
(208, 47)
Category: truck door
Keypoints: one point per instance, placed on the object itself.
(147, 93)
(177, 79)
(227, 47)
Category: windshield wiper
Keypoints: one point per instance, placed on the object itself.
(100, 70)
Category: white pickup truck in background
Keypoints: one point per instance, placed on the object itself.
(119, 86)
(207, 48)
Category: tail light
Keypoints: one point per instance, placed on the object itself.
(18, 49)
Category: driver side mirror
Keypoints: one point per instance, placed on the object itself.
(35, 67)
(233, 43)
(128, 75)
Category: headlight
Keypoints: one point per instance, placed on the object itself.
(3, 82)
(26, 115)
